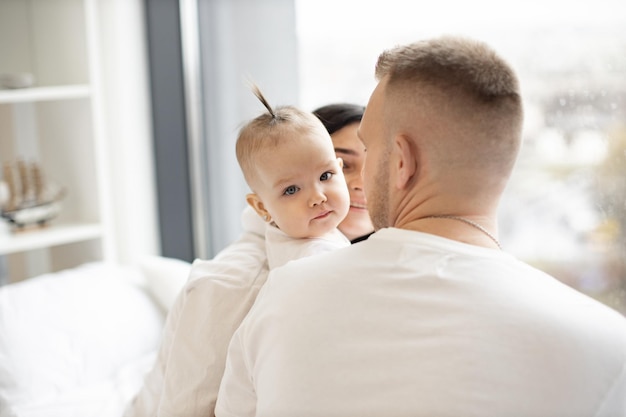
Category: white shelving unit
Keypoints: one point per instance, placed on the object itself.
(50, 236)
(63, 122)
(34, 94)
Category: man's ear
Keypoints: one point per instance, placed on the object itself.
(255, 202)
(406, 162)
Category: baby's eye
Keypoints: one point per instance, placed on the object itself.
(292, 189)
(326, 176)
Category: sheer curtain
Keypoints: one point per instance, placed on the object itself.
(225, 44)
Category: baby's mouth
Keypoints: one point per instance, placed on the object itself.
(323, 215)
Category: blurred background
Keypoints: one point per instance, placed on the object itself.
(165, 83)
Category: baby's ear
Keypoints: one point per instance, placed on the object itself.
(255, 202)
(340, 162)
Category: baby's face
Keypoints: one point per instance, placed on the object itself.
(302, 186)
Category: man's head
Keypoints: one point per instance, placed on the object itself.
(288, 160)
(443, 127)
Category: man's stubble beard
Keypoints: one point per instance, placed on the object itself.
(378, 201)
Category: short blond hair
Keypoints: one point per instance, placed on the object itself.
(451, 62)
(268, 130)
(464, 81)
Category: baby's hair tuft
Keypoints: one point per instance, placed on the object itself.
(269, 129)
(257, 92)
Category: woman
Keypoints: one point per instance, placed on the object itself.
(342, 121)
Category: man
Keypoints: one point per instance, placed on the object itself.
(428, 317)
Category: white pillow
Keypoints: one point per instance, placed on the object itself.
(164, 278)
(72, 329)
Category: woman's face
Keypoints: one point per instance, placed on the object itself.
(349, 147)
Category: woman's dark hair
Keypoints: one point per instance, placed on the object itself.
(339, 115)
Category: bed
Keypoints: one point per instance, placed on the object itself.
(79, 342)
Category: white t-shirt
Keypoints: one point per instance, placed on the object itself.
(411, 324)
(281, 248)
(186, 376)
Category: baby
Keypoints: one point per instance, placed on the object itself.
(288, 160)
(298, 188)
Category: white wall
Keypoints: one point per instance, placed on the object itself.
(126, 125)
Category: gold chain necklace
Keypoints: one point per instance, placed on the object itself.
(467, 221)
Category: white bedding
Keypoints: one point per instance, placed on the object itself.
(79, 342)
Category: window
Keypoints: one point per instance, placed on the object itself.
(565, 209)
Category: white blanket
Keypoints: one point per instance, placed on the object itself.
(79, 342)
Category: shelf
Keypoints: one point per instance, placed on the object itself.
(61, 92)
(88, 97)
(49, 236)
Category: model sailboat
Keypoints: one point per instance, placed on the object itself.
(27, 198)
